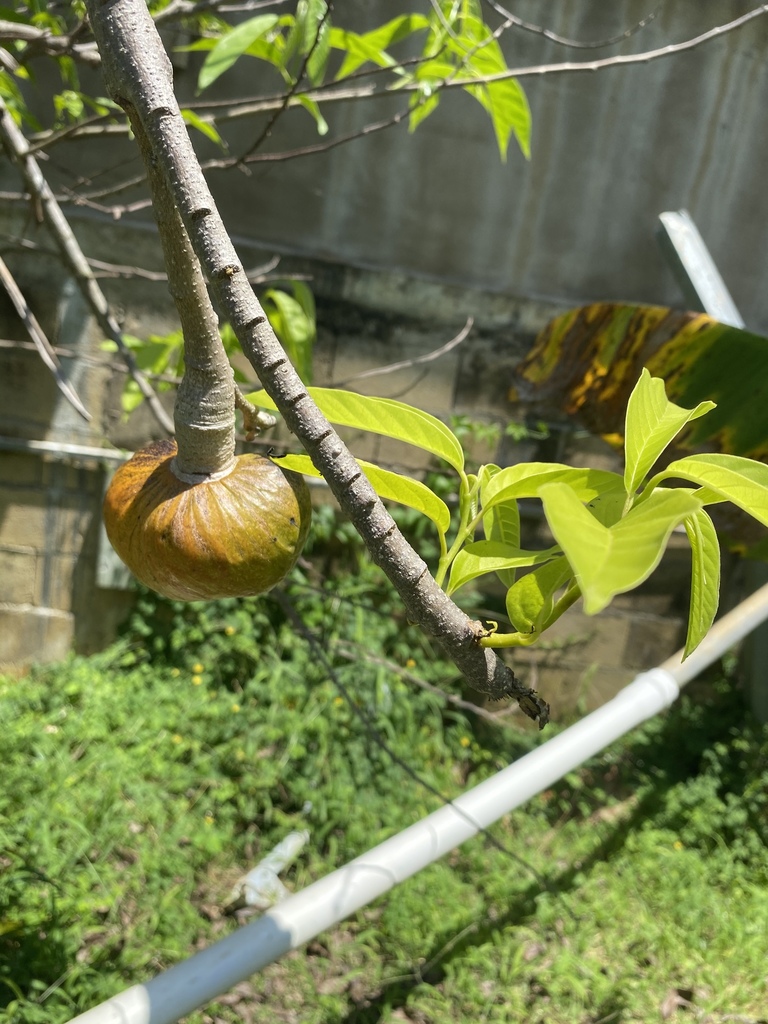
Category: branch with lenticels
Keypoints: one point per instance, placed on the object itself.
(138, 75)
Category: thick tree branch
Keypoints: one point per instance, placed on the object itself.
(138, 74)
(49, 210)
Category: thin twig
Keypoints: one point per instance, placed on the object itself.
(575, 44)
(39, 339)
(41, 41)
(267, 130)
(354, 652)
(406, 364)
(16, 146)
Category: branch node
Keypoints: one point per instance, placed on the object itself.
(228, 270)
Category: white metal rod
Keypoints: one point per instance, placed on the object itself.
(200, 979)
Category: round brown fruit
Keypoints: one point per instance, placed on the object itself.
(232, 537)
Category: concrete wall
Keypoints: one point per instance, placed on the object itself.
(404, 237)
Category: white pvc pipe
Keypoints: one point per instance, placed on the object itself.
(200, 979)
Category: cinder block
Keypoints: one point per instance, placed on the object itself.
(30, 635)
(17, 575)
(23, 518)
(54, 581)
(19, 469)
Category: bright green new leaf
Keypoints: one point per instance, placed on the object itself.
(372, 46)
(314, 109)
(206, 128)
(233, 45)
(484, 556)
(318, 58)
(531, 600)
(390, 486)
(507, 106)
(501, 523)
(526, 479)
(705, 578)
(611, 560)
(652, 423)
(293, 327)
(740, 480)
(382, 416)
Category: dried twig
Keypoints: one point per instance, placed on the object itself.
(16, 146)
(406, 364)
(575, 44)
(39, 339)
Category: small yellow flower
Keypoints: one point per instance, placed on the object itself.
(208, 819)
(197, 668)
(677, 845)
(338, 701)
(235, 708)
(410, 663)
(465, 741)
(229, 630)
(196, 680)
(176, 738)
(174, 672)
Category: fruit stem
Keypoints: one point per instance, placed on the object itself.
(204, 415)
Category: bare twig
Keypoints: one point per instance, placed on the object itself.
(405, 364)
(355, 652)
(267, 130)
(186, 9)
(16, 146)
(575, 44)
(39, 339)
(139, 77)
(41, 41)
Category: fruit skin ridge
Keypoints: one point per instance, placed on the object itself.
(235, 536)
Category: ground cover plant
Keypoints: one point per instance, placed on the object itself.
(139, 783)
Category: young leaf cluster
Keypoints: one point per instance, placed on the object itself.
(609, 530)
(452, 40)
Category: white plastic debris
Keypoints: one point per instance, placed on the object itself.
(261, 888)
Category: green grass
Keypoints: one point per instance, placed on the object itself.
(138, 784)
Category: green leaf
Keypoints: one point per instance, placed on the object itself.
(318, 59)
(742, 481)
(506, 104)
(371, 46)
(705, 578)
(501, 523)
(652, 423)
(611, 560)
(531, 600)
(293, 327)
(206, 128)
(484, 556)
(232, 46)
(382, 416)
(526, 479)
(314, 109)
(390, 486)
